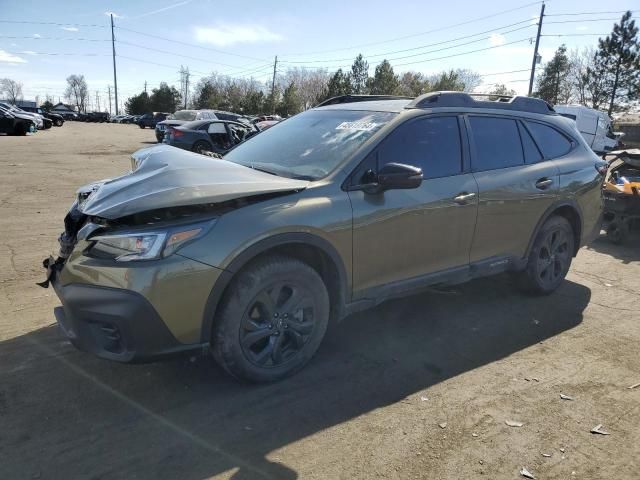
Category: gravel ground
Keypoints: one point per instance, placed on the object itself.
(373, 402)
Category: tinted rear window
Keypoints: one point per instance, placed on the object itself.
(497, 143)
(552, 143)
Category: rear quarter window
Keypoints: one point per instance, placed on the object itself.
(551, 142)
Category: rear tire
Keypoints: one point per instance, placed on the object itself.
(141, 126)
(549, 259)
(618, 231)
(58, 123)
(271, 320)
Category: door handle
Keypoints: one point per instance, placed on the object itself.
(544, 183)
(464, 198)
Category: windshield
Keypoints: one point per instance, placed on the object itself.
(184, 115)
(311, 144)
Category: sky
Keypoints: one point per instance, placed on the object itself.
(43, 42)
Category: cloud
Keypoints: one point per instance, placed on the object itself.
(496, 39)
(36, 35)
(69, 29)
(28, 52)
(115, 15)
(229, 34)
(6, 57)
(164, 9)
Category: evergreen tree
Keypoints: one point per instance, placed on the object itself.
(138, 104)
(290, 104)
(164, 98)
(384, 81)
(359, 75)
(445, 81)
(339, 84)
(618, 63)
(554, 84)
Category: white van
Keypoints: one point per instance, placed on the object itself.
(594, 125)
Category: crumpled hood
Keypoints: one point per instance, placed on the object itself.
(169, 177)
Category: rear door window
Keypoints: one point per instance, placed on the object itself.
(497, 143)
(552, 143)
(431, 143)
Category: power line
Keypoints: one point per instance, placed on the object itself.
(53, 23)
(191, 44)
(587, 20)
(464, 53)
(175, 54)
(420, 33)
(575, 34)
(588, 13)
(56, 38)
(61, 54)
(494, 30)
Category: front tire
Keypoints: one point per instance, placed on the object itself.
(550, 257)
(271, 321)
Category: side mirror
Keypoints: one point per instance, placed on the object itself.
(396, 176)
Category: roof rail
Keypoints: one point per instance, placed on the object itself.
(468, 100)
(360, 98)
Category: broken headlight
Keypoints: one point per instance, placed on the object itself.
(147, 245)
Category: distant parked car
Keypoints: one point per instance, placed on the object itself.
(99, 117)
(37, 118)
(151, 119)
(15, 124)
(55, 118)
(217, 136)
(266, 118)
(265, 124)
(183, 116)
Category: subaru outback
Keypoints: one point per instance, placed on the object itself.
(334, 210)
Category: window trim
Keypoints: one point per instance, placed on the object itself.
(571, 140)
(350, 183)
(522, 128)
(472, 141)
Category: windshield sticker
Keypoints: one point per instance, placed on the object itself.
(366, 126)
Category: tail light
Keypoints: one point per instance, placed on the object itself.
(176, 133)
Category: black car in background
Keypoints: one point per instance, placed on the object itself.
(15, 124)
(99, 117)
(56, 119)
(217, 136)
(151, 119)
(183, 116)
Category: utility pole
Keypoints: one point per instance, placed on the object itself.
(273, 86)
(97, 101)
(115, 76)
(109, 92)
(186, 87)
(145, 86)
(535, 51)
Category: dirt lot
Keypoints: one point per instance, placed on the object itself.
(368, 406)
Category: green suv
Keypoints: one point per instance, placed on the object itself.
(332, 211)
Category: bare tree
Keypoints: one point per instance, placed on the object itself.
(469, 78)
(77, 91)
(310, 85)
(11, 89)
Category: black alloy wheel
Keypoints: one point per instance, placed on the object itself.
(278, 323)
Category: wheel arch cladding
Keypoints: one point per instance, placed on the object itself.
(568, 210)
(316, 252)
